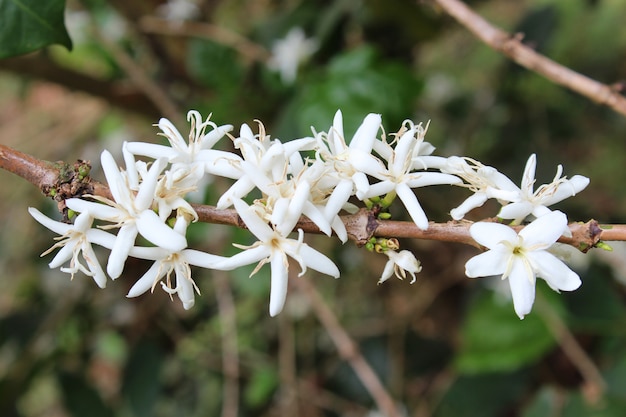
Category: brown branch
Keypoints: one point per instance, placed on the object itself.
(118, 93)
(348, 350)
(249, 50)
(512, 47)
(61, 181)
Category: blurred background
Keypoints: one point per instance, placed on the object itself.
(444, 346)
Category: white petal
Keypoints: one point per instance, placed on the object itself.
(151, 150)
(487, 264)
(412, 206)
(336, 132)
(101, 238)
(567, 189)
(387, 272)
(123, 243)
(147, 280)
(473, 201)
(431, 178)
(517, 211)
(185, 291)
(97, 210)
(145, 196)
(380, 188)
(278, 289)
(57, 227)
(172, 134)
(318, 261)
(338, 198)
(403, 151)
(554, 271)
(63, 255)
(255, 224)
(94, 266)
(366, 134)
(113, 176)
(155, 231)
(211, 138)
(201, 259)
(522, 288)
(491, 234)
(247, 257)
(545, 230)
(315, 214)
(528, 179)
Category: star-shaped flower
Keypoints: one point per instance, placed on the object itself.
(522, 258)
(76, 239)
(273, 248)
(131, 212)
(400, 263)
(399, 176)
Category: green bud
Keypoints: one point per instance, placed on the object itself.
(71, 214)
(83, 171)
(369, 246)
(604, 245)
(384, 216)
(52, 192)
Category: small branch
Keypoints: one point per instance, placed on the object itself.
(230, 349)
(249, 50)
(142, 80)
(512, 47)
(361, 226)
(349, 351)
(572, 349)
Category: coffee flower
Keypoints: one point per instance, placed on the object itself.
(400, 263)
(522, 258)
(76, 239)
(131, 212)
(273, 248)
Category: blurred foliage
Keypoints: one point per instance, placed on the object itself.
(445, 346)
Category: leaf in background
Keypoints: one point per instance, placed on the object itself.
(487, 395)
(358, 83)
(28, 25)
(494, 339)
(141, 385)
(80, 398)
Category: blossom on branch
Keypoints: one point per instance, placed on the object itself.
(273, 248)
(522, 258)
(76, 239)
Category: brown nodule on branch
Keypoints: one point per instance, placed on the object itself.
(59, 180)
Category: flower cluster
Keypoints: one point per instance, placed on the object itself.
(314, 177)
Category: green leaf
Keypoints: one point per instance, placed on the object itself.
(28, 25)
(358, 83)
(486, 395)
(495, 339)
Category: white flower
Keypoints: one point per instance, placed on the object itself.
(522, 258)
(131, 212)
(76, 239)
(400, 263)
(179, 10)
(537, 202)
(288, 53)
(168, 263)
(400, 178)
(342, 158)
(487, 182)
(274, 248)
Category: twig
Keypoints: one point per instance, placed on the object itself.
(230, 349)
(360, 226)
(512, 47)
(142, 80)
(572, 349)
(348, 350)
(249, 50)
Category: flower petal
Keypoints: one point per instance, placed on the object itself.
(491, 234)
(490, 263)
(147, 280)
(522, 288)
(155, 231)
(278, 289)
(412, 206)
(554, 271)
(545, 230)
